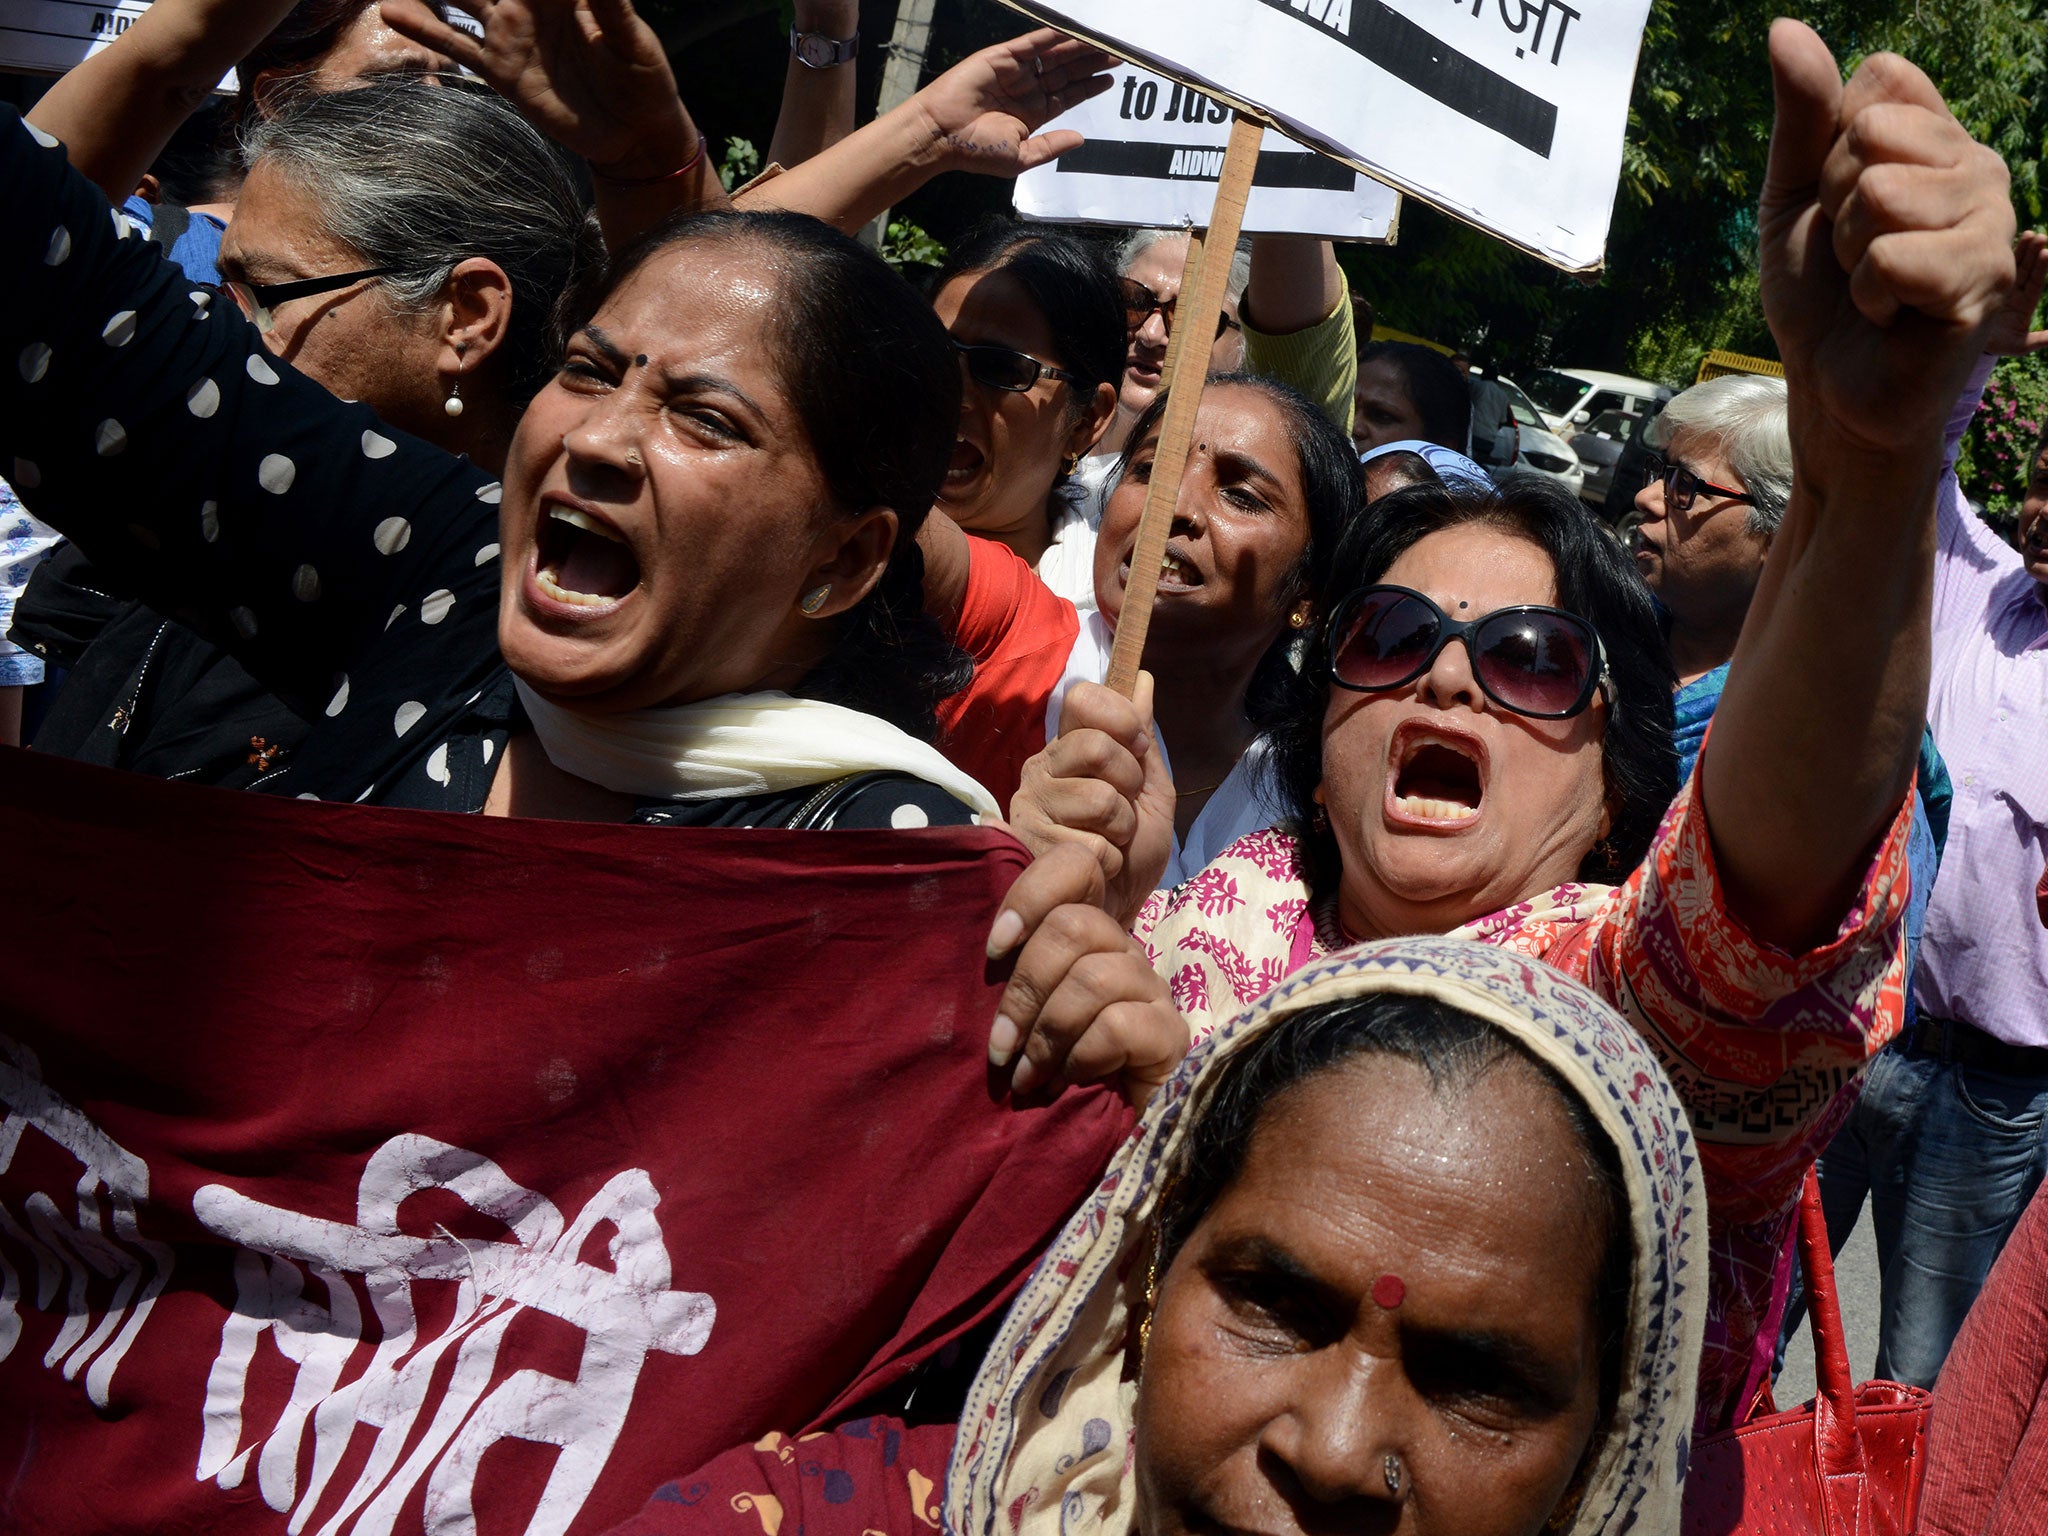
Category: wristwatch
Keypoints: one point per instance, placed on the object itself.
(815, 50)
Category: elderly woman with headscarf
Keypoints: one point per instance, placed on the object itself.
(1407, 1243)
(1481, 743)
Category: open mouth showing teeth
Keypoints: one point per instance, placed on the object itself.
(1177, 573)
(965, 466)
(582, 561)
(1437, 782)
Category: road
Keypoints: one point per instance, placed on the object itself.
(1856, 1280)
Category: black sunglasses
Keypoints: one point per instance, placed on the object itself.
(1537, 661)
(1004, 368)
(259, 300)
(1141, 304)
(1682, 487)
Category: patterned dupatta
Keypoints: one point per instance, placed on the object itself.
(1045, 1444)
(1244, 925)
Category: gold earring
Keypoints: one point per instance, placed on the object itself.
(1070, 464)
(1298, 619)
(1151, 1293)
(815, 599)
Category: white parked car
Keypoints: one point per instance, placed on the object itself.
(1569, 398)
(1541, 449)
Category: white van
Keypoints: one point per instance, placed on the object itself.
(1571, 397)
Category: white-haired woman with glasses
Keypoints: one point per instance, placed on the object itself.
(1708, 522)
(401, 247)
(1707, 519)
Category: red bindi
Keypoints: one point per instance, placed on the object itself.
(1389, 1291)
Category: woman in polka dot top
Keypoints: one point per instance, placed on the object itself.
(716, 496)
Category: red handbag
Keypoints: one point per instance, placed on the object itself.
(1849, 1463)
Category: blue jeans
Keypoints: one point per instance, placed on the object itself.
(1950, 1156)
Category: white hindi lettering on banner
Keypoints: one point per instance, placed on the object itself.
(1154, 152)
(626, 1313)
(1507, 113)
(437, 1398)
(95, 1257)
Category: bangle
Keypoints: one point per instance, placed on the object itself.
(677, 174)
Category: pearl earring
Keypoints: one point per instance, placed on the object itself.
(814, 600)
(453, 404)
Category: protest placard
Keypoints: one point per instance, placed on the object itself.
(1153, 154)
(50, 36)
(1507, 113)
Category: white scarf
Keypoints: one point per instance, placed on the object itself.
(738, 744)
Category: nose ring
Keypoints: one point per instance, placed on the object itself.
(633, 458)
(1391, 1470)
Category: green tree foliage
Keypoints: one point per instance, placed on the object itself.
(1998, 453)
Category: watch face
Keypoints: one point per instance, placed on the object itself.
(819, 51)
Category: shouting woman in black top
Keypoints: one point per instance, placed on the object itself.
(696, 596)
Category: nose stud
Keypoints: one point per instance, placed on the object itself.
(1390, 1469)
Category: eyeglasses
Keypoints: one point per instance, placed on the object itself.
(1537, 661)
(1682, 487)
(259, 301)
(1006, 369)
(1141, 304)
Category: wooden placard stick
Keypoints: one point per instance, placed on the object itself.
(1186, 369)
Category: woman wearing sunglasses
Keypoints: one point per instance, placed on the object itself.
(1479, 740)
(1037, 321)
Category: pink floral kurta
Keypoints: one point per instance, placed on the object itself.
(1765, 1048)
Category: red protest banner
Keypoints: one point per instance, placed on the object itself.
(382, 1171)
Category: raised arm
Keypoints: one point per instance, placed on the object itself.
(1296, 313)
(1886, 238)
(817, 100)
(982, 115)
(144, 419)
(1295, 283)
(117, 110)
(592, 76)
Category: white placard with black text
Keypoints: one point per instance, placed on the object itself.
(49, 36)
(1506, 113)
(1155, 150)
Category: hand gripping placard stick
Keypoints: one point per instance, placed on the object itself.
(1187, 368)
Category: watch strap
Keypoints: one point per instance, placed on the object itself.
(818, 51)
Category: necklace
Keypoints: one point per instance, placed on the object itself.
(1189, 794)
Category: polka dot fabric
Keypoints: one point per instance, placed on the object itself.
(352, 569)
(216, 483)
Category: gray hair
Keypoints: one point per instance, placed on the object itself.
(1139, 241)
(1743, 416)
(423, 177)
